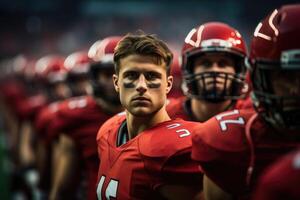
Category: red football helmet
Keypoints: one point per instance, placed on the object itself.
(51, 69)
(78, 65)
(177, 77)
(51, 72)
(102, 53)
(214, 37)
(275, 49)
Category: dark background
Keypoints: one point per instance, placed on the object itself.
(39, 27)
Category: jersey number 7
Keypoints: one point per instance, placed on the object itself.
(224, 123)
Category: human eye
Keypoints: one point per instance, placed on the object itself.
(131, 75)
(206, 63)
(225, 63)
(150, 76)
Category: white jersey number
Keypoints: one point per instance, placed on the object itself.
(223, 123)
(111, 190)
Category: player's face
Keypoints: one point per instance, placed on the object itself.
(286, 83)
(142, 85)
(61, 90)
(104, 78)
(82, 86)
(214, 62)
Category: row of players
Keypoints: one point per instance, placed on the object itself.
(146, 152)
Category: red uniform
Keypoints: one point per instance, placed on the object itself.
(223, 149)
(28, 108)
(13, 92)
(157, 156)
(181, 107)
(44, 119)
(80, 118)
(281, 180)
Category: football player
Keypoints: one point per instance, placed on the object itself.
(75, 65)
(233, 148)
(77, 122)
(78, 64)
(214, 72)
(50, 74)
(143, 153)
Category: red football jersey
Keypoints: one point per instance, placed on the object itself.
(157, 156)
(281, 180)
(13, 92)
(244, 103)
(44, 119)
(181, 107)
(227, 153)
(30, 107)
(80, 118)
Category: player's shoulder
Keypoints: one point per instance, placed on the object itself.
(76, 105)
(171, 102)
(167, 139)
(174, 107)
(222, 134)
(111, 125)
(246, 103)
(48, 110)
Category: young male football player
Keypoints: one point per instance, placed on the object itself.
(143, 153)
(214, 72)
(234, 147)
(77, 122)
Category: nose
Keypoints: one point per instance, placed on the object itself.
(215, 67)
(141, 84)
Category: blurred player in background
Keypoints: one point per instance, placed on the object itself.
(214, 72)
(234, 147)
(77, 122)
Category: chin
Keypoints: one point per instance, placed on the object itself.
(141, 111)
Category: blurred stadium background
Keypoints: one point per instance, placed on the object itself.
(39, 27)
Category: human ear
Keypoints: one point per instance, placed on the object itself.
(169, 83)
(116, 82)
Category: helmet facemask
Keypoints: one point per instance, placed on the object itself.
(216, 86)
(280, 109)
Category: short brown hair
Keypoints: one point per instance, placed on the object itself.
(143, 44)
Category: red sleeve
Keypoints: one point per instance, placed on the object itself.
(221, 149)
(281, 180)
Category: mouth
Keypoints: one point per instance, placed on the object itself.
(140, 99)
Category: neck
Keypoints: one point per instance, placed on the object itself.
(203, 110)
(107, 107)
(137, 124)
